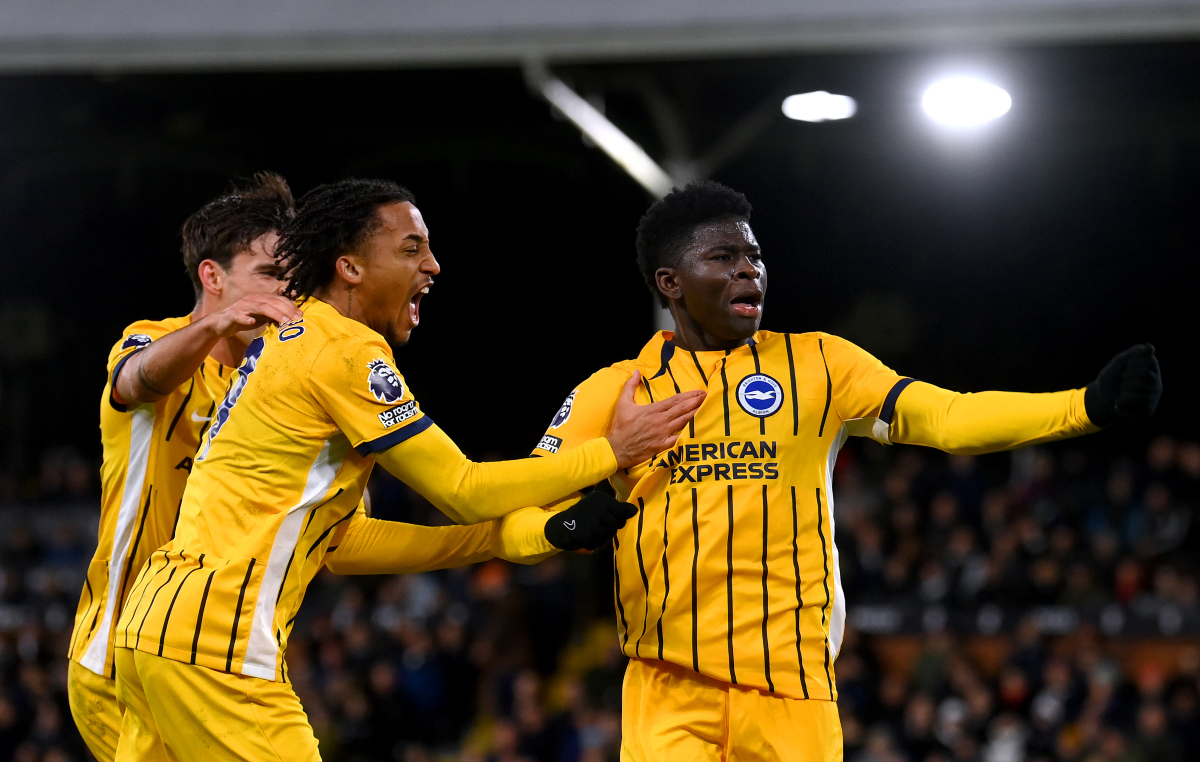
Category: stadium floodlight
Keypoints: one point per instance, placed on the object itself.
(965, 102)
(609, 137)
(819, 106)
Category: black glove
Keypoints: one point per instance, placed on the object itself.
(590, 523)
(1127, 390)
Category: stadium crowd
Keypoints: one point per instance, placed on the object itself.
(997, 605)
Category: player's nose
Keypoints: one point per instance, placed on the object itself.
(430, 266)
(747, 270)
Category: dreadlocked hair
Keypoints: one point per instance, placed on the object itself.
(332, 220)
(669, 223)
(227, 225)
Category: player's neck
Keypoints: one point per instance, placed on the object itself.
(343, 299)
(692, 337)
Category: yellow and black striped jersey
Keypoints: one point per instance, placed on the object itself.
(730, 567)
(276, 489)
(148, 453)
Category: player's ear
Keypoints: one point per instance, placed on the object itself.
(667, 280)
(349, 268)
(212, 277)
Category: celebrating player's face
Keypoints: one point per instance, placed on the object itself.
(720, 282)
(397, 270)
(254, 270)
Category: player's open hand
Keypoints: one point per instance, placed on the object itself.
(252, 312)
(639, 432)
(1127, 390)
(590, 523)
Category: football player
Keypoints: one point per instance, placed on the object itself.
(728, 590)
(275, 491)
(165, 378)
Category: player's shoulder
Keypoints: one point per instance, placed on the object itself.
(140, 333)
(323, 327)
(610, 380)
(816, 341)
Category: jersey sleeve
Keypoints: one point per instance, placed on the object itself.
(987, 421)
(375, 546)
(863, 390)
(136, 337)
(585, 414)
(356, 382)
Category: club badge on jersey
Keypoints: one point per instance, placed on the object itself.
(759, 395)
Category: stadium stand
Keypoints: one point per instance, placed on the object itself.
(1038, 605)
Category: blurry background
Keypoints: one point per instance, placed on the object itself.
(1040, 604)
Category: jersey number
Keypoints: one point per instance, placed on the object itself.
(249, 363)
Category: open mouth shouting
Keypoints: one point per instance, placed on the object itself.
(414, 304)
(747, 305)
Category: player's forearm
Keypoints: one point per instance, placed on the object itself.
(470, 492)
(157, 370)
(374, 546)
(520, 536)
(987, 421)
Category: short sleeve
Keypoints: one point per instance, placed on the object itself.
(863, 387)
(357, 384)
(585, 414)
(134, 339)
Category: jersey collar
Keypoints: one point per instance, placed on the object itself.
(661, 348)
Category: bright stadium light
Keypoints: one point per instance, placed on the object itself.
(965, 102)
(818, 106)
(607, 136)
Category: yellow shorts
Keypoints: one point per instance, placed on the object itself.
(669, 712)
(94, 706)
(180, 712)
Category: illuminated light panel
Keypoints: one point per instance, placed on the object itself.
(965, 102)
(819, 106)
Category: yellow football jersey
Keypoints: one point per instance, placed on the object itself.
(148, 452)
(276, 490)
(730, 567)
(276, 482)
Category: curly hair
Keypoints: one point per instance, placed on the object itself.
(332, 220)
(669, 223)
(228, 224)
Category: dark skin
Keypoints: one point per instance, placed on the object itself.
(715, 292)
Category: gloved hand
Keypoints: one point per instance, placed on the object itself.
(1127, 390)
(590, 523)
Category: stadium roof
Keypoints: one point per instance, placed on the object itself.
(79, 35)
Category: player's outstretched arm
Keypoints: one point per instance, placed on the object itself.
(374, 546)
(1126, 391)
(471, 492)
(158, 369)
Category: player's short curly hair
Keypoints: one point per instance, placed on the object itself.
(669, 223)
(228, 224)
(332, 220)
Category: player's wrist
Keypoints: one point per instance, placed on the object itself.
(610, 448)
(214, 326)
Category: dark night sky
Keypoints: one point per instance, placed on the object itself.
(1021, 257)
